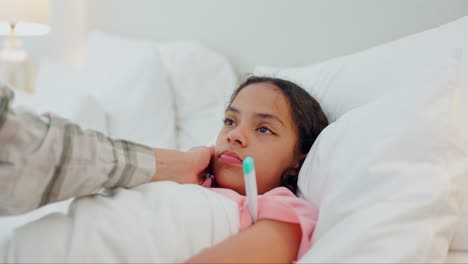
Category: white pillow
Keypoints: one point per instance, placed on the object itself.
(128, 79)
(202, 81)
(384, 175)
(59, 90)
(348, 82)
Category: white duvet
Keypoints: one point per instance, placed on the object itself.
(156, 222)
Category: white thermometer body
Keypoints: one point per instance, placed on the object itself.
(250, 181)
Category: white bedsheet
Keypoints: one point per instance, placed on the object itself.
(156, 222)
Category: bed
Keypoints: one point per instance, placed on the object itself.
(412, 207)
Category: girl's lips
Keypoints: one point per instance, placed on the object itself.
(230, 160)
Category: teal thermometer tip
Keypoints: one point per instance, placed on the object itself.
(248, 165)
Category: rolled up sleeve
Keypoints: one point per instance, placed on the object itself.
(45, 158)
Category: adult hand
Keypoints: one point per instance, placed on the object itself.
(182, 167)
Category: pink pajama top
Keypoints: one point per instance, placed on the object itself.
(279, 204)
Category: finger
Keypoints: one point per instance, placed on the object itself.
(209, 154)
(201, 177)
(211, 149)
(203, 154)
(196, 148)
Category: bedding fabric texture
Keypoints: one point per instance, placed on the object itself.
(202, 81)
(129, 100)
(346, 83)
(384, 176)
(460, 241)
(59, 91)
(127, 77)
(457, 257)
(162, 222)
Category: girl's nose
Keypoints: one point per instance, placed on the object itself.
(236, 136)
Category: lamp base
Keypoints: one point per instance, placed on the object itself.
(12, 51)
(16, 68)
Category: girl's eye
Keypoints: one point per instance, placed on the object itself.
(265, 130)
(229, 122)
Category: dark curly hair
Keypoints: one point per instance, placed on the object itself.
(307, 116)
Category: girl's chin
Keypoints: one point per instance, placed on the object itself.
(230, 180)
(229, 170)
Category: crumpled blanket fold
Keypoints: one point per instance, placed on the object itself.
(161, 222)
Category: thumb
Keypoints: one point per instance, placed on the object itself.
(201, 161)
(211, 150)
(202, 152)
(204, 155)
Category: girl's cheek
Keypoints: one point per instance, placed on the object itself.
(220, 137)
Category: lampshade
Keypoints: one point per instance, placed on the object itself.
(31, 17)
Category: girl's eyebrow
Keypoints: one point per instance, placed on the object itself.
(232, 109)
(260, 115)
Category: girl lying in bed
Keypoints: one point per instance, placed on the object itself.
(275, 122)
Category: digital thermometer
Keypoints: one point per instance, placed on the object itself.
(250, 181)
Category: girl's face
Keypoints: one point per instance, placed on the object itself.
(258, 124)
